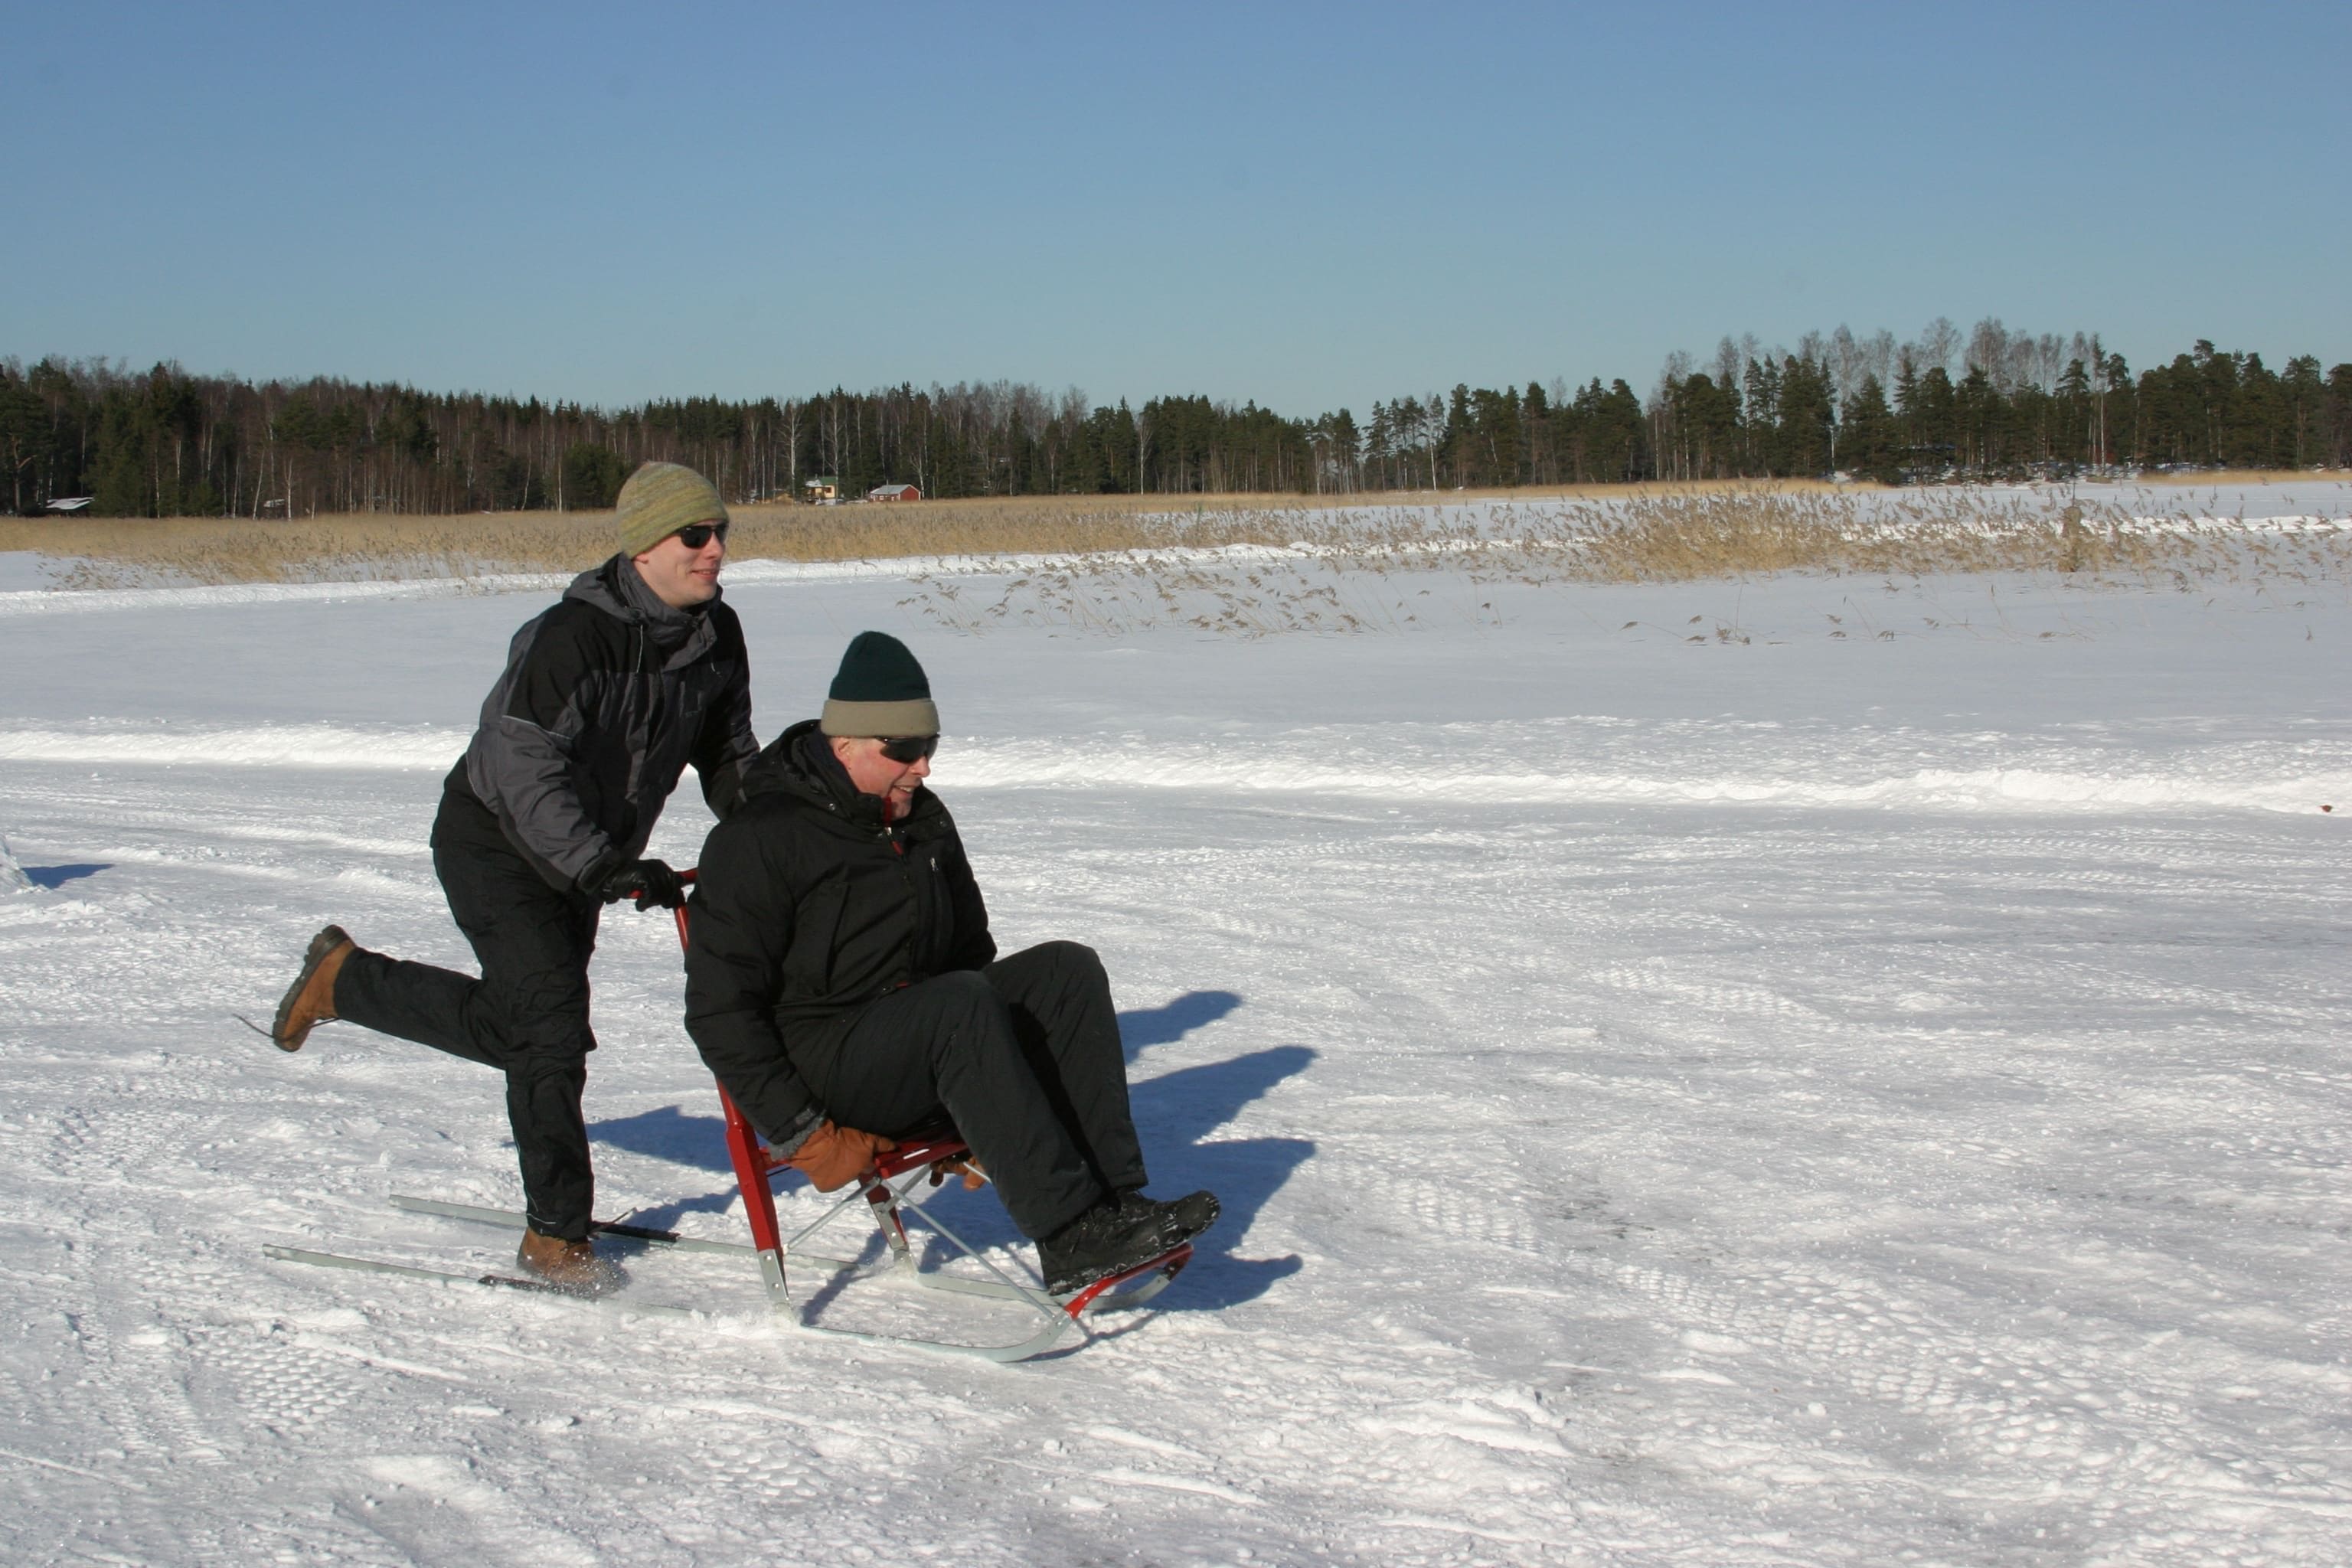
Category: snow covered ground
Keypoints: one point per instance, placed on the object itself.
(1870, 1092)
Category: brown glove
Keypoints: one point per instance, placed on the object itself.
(832, 1157)
(962, 1165)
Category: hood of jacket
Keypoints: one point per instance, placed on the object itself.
(606, 697)
(681, 636)
(799, 765)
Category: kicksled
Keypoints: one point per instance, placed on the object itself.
(885, 1195)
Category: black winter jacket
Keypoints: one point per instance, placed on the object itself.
(604, 700)
(808, 906)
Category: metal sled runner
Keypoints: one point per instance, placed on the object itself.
(888, 1195)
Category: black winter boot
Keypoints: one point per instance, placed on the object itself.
(1103, 1241)
(1179, 1219)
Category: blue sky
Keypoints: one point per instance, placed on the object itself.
(1311, 205)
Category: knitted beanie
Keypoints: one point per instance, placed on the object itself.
(659, 499)
(879, 691)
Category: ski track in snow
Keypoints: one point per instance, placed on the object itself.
(1859, 1173)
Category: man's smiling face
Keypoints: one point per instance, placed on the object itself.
(683, 575)
(874, 773)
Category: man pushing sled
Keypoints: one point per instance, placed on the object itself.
(638, 671)
(842, 985)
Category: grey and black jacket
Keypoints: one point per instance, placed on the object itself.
(809, 906)
(604, 700)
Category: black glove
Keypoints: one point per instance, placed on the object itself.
(650, 882)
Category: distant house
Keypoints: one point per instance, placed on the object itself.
(824, 489)
(70, 503)
(894, 492)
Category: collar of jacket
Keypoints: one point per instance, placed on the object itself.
(680, 636)
(800, 764)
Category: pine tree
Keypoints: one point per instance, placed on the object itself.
(1868, 442)
(2304, 398)
(2337, 417)
(1808, 425)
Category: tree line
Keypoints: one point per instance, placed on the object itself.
(1992, 403)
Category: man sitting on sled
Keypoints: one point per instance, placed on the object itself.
(842, 984)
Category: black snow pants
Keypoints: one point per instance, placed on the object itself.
(527, 1015)
(1022, 1056)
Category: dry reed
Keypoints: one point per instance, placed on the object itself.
(129, 551)
(1254, 566)
(367, 546)
(2241, 477)
(1370, 568)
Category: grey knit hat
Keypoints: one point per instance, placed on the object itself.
(880, 690)
(659, 499)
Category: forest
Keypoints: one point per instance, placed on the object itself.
(1989, 403)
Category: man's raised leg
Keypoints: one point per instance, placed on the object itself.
(1058, 997)
(952, 1042)
(527, 1015)
(949, 1043)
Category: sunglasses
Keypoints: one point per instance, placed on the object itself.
(909, 749)
(695, 535)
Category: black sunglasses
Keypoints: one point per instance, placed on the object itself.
(695, 535)
(905, 749)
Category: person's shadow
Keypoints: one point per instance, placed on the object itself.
(59, 875)
(1165, 1025)
(1174, 1113)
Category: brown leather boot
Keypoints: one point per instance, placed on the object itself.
(310, 1000)
(571, 1266)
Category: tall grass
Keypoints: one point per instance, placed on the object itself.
(1344, 569)
(363, 546)
(126, 551)
(1254, 565)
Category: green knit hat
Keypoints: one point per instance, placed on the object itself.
(659, 499)
(879, 689)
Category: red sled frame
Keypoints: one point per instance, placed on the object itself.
(887, 1190)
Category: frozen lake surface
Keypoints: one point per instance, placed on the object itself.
(1868, 1089)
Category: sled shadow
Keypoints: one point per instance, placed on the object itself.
(1175, 1113)
(57, 876)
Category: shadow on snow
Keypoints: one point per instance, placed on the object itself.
(1165, 1025)
(1174, 1113)
(59, 875)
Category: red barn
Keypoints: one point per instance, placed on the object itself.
(894, 492)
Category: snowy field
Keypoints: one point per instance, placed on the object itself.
(1873, 1092)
